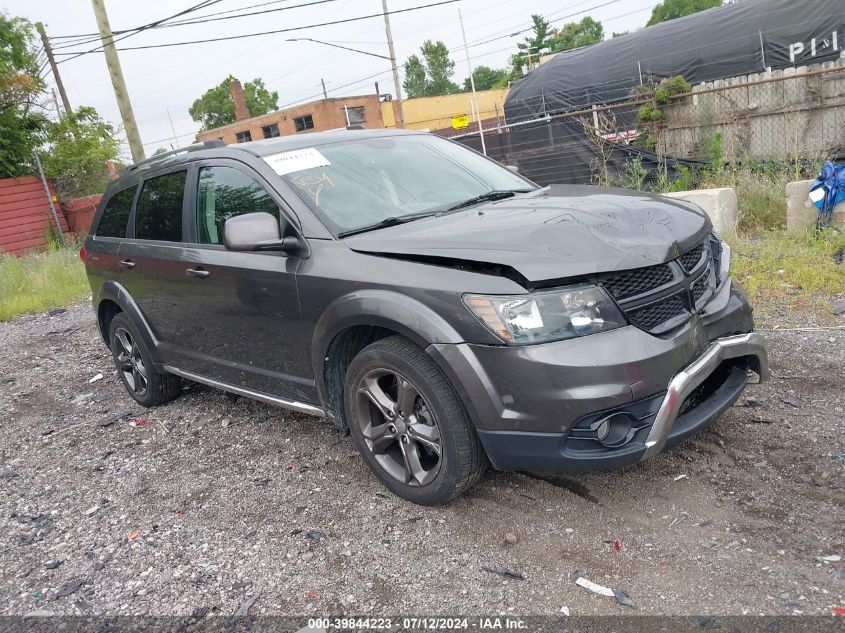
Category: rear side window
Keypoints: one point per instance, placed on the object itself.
(116, 215)
(158, 214)
(225, 192)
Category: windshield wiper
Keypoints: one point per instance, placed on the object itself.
(386, 222)
(496, 194)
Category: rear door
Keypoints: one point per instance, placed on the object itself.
(241, 313)
(104, 244)
(151, 258)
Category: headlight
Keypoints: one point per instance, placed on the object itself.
(546, 316)
(721, 253)
(725, 262)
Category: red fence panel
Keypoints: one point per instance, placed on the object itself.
(80, 212)
(25, 214)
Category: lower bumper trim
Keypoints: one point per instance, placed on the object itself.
(684, 383)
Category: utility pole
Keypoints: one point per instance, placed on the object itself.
(400, 119)
(49, 50)
(173, 129)
(472, 84)
(117, 82)
(323, 83)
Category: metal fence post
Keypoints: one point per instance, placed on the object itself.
(50, 200)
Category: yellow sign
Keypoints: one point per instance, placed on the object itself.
(460, 121)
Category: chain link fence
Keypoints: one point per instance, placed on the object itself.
(790, 116)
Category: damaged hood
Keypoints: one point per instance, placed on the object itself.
(556, 232)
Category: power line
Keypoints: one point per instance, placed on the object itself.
(207, 18)
(200, 20)
(121, 31)
(273, 32)
(196, 7)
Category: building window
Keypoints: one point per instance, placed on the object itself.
(243, 137)
(304, 123)
(356, 115)
(270, 131)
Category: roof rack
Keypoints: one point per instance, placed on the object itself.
(189, 148)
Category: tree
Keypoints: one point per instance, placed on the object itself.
(533, 46)
(486, 78)
(431, 75)
(671, 9)
(577, 34)
(216, 108)
(20, 86)
(78, 149)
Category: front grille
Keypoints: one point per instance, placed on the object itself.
(659, 298)
(651, 316)
(691, 259)
(701, 285)
(635, 282)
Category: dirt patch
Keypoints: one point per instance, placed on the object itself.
(211, 500)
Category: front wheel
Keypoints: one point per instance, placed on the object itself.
(409, 424)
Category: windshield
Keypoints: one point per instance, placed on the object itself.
(360, 183)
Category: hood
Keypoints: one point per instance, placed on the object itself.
(557, 232)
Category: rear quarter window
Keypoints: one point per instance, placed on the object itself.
(116, 214)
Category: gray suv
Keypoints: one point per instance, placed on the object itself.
(445, 311)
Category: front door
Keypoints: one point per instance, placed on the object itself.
(243, 323)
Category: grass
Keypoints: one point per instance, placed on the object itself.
(783, 273)
(36, 282)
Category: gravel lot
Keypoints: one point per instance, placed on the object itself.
(217, 500)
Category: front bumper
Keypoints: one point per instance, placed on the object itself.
(534, 406)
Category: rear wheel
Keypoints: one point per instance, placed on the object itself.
(409, 424)
(135, 367)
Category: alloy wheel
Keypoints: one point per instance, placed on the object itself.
(399, 427)
(129, 362)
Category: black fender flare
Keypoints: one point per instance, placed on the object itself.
(376, 308)
(113, 291)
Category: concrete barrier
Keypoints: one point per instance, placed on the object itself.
(801, 213)
(719, 204)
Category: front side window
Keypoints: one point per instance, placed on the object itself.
(354, 184)
(225, 192)
(304, 123)
(158, 214)
(243, 137)
(270, 131)
(116, 214)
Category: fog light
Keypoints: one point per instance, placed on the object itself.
(603, 430)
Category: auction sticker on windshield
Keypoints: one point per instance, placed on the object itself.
(296, 160)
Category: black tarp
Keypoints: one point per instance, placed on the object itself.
(737, 39)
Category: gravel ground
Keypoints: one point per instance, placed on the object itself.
(216, 501)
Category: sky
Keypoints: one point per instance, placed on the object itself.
(164, 82)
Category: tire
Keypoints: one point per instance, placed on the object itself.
(428, 453)
(135, 367)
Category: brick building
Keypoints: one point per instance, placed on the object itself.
(317, 116)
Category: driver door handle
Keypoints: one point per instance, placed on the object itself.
(127, 263)
(199, 272)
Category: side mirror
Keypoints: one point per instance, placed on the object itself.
(513, 168)
(256, 232)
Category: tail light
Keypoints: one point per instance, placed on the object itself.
(83, 255)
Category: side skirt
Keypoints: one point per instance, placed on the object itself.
(301, 407)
